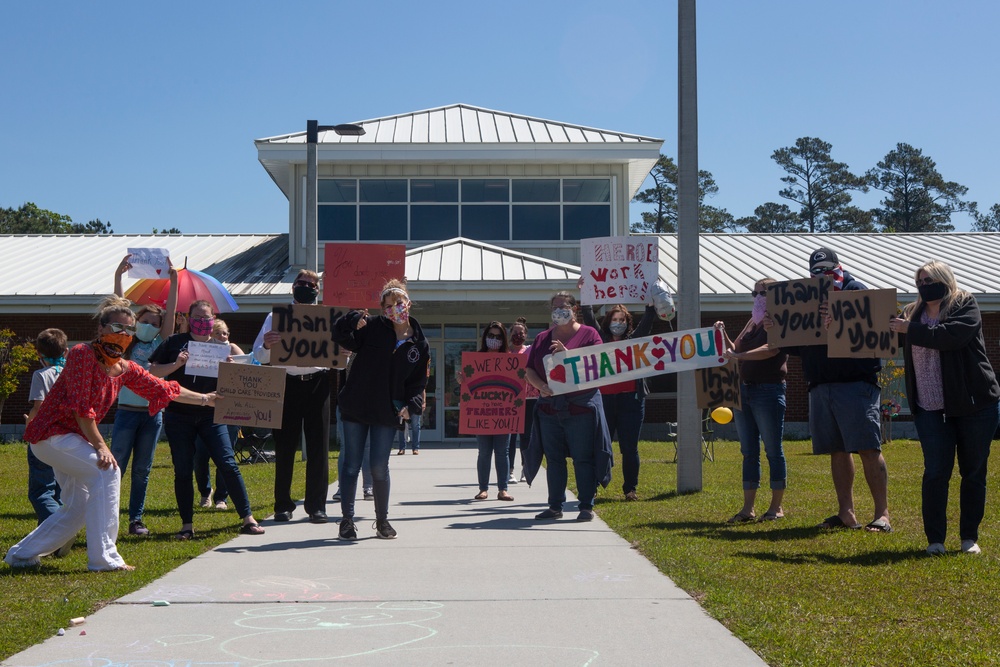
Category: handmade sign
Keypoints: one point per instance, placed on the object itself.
(204, 358)
(306, 336)
(634, 358)
(793, 305)
(860, 326)
(493, 392)
(354, 273)
(719, 387)
(618, 269)
(251, 395)
(149, 263)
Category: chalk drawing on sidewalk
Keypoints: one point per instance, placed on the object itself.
(587, 577)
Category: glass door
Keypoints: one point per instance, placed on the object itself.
(430, 423)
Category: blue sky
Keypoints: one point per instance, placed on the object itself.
(144, 114)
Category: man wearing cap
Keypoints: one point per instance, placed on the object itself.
(306, 411)
(844, 410)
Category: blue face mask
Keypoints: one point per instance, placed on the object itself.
(561, 316)
(618, 328)
(146, 332)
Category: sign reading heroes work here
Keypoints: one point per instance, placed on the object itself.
(634, 358)
(860, 326)
(251, 395)
(354, 273)
(617, 269)
(719, 387)
(149, 263)
(493, 391)
(794, 307)
(306, 336)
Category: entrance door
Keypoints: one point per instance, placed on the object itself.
(430, 423)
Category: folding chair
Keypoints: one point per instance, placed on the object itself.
(707, 437)
(250, 446)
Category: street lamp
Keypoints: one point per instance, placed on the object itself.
(313, 128)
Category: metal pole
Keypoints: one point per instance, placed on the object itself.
(312, 169)
(689, 447)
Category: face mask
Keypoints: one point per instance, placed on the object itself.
(146, 332)
(932, 292)
(517, 338)
(399, 313)
(617, 328)
(759, 308)
(493, 344)
(561, 316)
(110, 347)
(201, 326)
(304, 294)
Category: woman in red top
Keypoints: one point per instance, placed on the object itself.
(64, 434)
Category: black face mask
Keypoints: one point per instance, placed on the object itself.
(304, 294)
(932, 292)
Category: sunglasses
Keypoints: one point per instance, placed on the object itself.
(122, 328)
(305, 283)
(817, 270)
(755, 293)
(493, 336)
(925, 281)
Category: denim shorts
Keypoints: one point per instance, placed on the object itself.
(844, 417)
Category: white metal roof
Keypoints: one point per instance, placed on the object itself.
(464, 133)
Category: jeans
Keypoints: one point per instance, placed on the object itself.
(135, 433)
(366, 465)
(382, 438)
(525, 436)
(182, 429)
(624, 413)
(940, 439)
(414, 435)
(495, 446)
(762, 418)
(565, 435)
(202, 472)
(43, 491)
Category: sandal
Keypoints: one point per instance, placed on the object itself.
(503, 495)
(184, 535)
(740, 517)
(770, 516)
(835, 522)
(482, 495)
(251, 529)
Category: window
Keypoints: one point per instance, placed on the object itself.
(533, 222)
(373, 190)
(433, 190)
(337, 190)
(536, 190)
(485, 190)
(337, 223)
(596, 190)
(433, 222)
(584, 221)
(382, 222)
(486, 222)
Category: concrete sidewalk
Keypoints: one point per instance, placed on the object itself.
(466, 583)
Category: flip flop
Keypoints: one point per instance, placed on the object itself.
(879, 526)
(835, 521)
(251, 529)
(740, 517)
(770, 516)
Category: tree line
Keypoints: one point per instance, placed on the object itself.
(30, 219)
(915, 197)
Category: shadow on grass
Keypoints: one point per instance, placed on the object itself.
(735, 533)
(872, 558)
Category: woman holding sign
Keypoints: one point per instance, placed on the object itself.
(185, 423)
(64, 434)
(762, 374)
(954, 396)
(383, 390)
(567, 425)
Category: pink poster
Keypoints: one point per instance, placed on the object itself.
(493, 392)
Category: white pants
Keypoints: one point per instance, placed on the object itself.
(90, 498)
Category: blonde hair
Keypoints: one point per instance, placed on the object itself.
(943, 274)
(308, 274)
(219, 325)
(113, 305)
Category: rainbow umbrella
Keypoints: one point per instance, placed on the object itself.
(191, 286)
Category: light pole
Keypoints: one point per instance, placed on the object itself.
(313, 128)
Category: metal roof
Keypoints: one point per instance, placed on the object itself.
(465, 260)
(461, 133)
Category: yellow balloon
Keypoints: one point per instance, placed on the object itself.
(722, 415)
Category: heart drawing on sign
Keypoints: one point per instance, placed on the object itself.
(158, 271)
(658, 352)
(558, 374)
(658, 365)
(657, 340)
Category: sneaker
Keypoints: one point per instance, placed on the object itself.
(549, 514)
(348, 531)
(369, 495)
(970, 547)
(336, 496)
(135, 528)
(936, 549)
(631, 495)
(522, 475)
(206, 501)
(384, 530)
(510, 479)
(221, 505)
(585, 515)
(400, 452)
(16, 562)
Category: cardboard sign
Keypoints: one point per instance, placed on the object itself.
(306, 336)
(860, 326)
(618, 269)
(354, 273)
(251, 395)
(149, 263)
(794, 307)
(493, 393)
(719, 387)
(204, 358)
(632, 359)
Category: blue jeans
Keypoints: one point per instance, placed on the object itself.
(135, 433)
(366, 465)
(202, 472)
(414, 435)
(525, 436)
(624, 413)
(568, 435)
(762, 418)
(382, 438)
(43, 490)
(940, 439)
(182, 430)
(495, 446)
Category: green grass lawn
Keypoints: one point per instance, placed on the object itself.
(795, 594)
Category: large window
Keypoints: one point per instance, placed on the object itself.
(485, 209)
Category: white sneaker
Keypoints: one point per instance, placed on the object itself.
(935, 549)
(221, 505)
(511, 479)
(522, 474)
(206, 501)
(970, 547)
